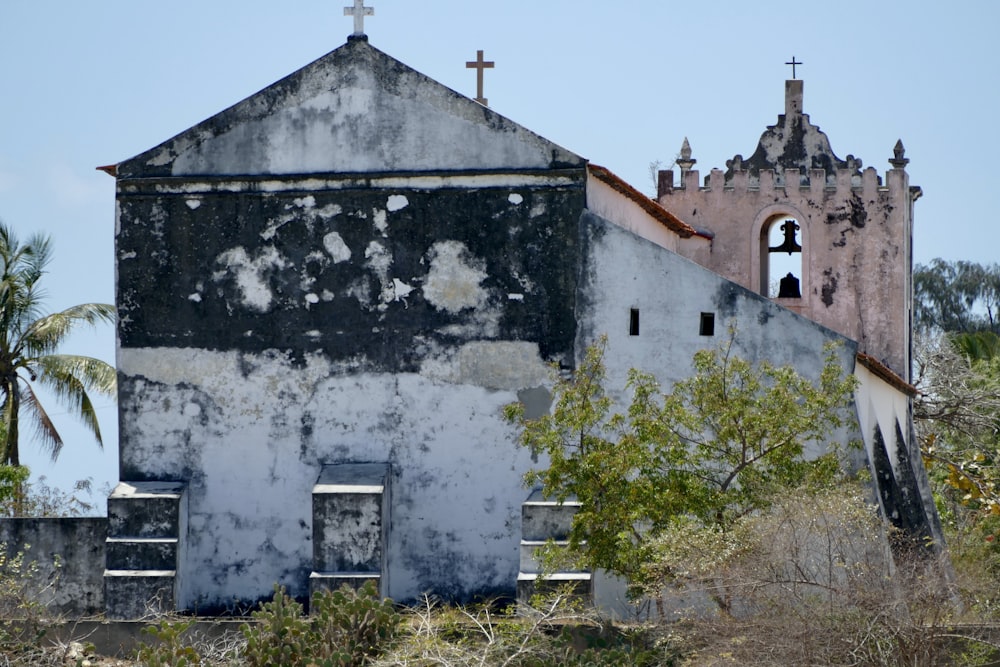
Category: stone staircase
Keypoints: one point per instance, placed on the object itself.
(543, 520)
(350, 526)
(145, 522)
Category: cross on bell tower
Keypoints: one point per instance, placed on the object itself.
(793, 63)
(359, 12)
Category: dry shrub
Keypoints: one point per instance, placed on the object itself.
(814, 581)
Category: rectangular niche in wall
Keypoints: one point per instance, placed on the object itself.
(633, 322)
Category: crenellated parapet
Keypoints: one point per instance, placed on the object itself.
(854, 227)
(740, 180)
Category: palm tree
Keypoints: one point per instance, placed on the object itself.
(29, 341)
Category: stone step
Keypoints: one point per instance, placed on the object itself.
(145, 509)
(134, 594)
(327, 581)
(149, 553)
(531, 561)
(581, 585)
(543, 518)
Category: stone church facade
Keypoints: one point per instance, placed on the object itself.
(328, 292)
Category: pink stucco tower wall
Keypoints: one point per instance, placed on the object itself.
(855, 229)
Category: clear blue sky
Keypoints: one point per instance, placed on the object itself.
(621, 83)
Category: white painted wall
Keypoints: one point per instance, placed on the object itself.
(605, 201)
(455, 515)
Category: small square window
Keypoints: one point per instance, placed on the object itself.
(707, 325)
(633, 322)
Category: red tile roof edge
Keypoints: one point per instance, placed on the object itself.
(110, 170)
(662, 215)
(886, 373)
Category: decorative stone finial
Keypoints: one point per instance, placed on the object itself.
(685, 162)
(854, 163)
(899, 161)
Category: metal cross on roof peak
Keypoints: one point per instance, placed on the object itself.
(359, 12)
(479, 65)
(793, 64)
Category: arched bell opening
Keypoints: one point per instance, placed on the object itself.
(781, 258)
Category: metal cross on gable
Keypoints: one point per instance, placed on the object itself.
(479, 65)
(793, 64)
(359, 12)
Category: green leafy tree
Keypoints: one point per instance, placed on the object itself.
(717, 448)
(957, 297)
(29, 344)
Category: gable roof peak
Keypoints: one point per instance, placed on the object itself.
(353, 110)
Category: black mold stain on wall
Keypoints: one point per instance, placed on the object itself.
(181, 288)
(829, 287)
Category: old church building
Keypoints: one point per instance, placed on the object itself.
(328, 292)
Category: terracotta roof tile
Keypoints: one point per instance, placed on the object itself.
(657, 212)
(886, 373)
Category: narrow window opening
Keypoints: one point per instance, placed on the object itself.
(707, 326)
(633, 322)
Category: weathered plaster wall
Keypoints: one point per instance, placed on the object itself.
(74, 587)
(622, 272)
(456, 487)
(354, 110)
(605, 201)
(350, 273)
(263, 336)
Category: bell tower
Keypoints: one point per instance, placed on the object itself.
(816, 234)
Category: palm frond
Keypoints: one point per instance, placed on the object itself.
(45, 429)
(93, 374)
(46, 333)
(21, 267)
(69, 377)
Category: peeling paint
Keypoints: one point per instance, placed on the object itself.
(251, 275)
(379, 219)
(396, 203)
(400, 290)
(334, 244)
(508, 365)
(454, 280)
